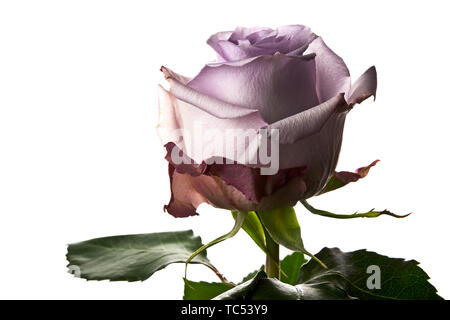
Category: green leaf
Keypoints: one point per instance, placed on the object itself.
(262, 288)
(254, 229)
(290, 267)
(274, 289)
(133, 257)
(333, 184)
(203, 290)
(282, 225)
(349, 272)
(243, 291)
(370, 214)
(251, 275)
(345, 279)
(329, 288)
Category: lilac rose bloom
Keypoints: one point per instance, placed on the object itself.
(285, 79)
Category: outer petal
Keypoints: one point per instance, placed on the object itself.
(286, 195)
(248, 180)
(309, 122)
(278, 86)
(333, 76)
(364, 87)
(313, 139)
(184, 198)
(342, 178)
(189, 191)
(195, 123)
(213, 106)
(319, 152)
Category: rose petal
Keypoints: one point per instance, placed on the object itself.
(306, 123)
(199, 132)
(364, 87)
(241, 33)
(278, 86)
(297, 36)
(229, 51)
(245, 43)
(184, 198)
(213, 106)
(188, 192)
(333, 76)
(319, 152)
(248, 180)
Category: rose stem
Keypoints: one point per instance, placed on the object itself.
(272, 257)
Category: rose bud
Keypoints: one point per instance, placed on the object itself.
(281, 91)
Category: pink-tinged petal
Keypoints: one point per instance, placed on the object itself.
(309, 122)
(347, 177)
(333, 76)
(188, 165)
(342, 178)
(184, 198)
(169, 122)
(170, 74)
(278, 86)
(188, 192)
(248, 180)
(216, 192)
(364, 87)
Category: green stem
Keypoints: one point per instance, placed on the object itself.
(272, 257)
(370, 214)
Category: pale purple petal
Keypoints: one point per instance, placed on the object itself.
(333, 76)
(213, 106)
(194, 122)
(309, 122)
(364, 87)
(241, 33)
(278, 86)
(245, 43)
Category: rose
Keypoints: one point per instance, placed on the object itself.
(286, 80)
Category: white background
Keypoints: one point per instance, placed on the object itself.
(80, 157)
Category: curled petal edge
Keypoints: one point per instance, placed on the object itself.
(309, 122)
(215, 107)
